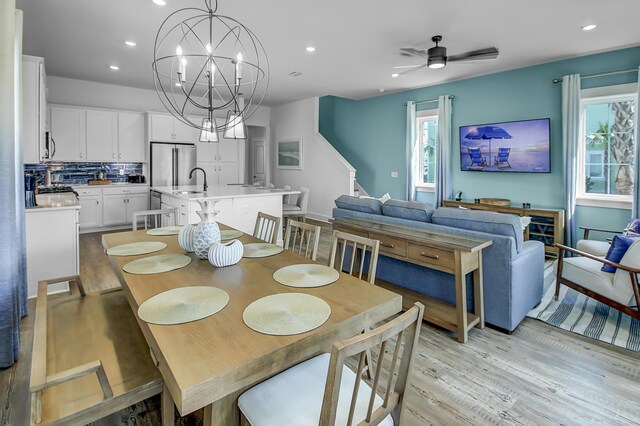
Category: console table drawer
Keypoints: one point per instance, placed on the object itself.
(390, 245)
(432, 256)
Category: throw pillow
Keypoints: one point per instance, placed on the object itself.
(619, 247)
(386, 197)
(633, 228)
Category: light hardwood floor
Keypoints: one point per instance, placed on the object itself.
(538, 375)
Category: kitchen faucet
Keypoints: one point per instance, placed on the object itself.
(205, 186)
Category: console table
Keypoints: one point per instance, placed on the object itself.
(547, 225)
(448, 253)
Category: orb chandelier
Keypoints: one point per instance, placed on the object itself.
(209, 65)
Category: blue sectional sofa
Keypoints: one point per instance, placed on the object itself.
(512, 268)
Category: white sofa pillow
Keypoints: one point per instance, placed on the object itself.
(631, 258)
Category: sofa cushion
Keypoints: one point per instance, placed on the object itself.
(364, 205)
(410, 210)
(594, 247)
(622, 280)
(490, 222)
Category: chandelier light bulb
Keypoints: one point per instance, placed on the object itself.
(183, 68)
(179, 50)
(213, 73)
(239, 67)
(209, 49)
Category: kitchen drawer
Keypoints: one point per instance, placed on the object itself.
(432, 256)
(119, 190)
(175, 202)
(88, 191)
(390, 245)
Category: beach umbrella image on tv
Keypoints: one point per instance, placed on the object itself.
(488, 133)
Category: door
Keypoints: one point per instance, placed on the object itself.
(186, 161)
(212, 173)
(68, 127)
(136, 203)
(131, 138)
(161, 164)
(258, 165)
(102, 136)
(114, 211)
(161, 128)
(90, 214)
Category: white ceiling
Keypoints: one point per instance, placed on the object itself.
(357, 41)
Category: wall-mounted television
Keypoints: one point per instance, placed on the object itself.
(513, 146)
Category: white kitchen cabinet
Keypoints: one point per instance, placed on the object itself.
(218, 173)
(90, 214)
(166, 128)
(136, 203)
(226, 150)
(114, 209)
(102, 135)
(52, 246)
(68, 129)
(131, 140)
(34, 109)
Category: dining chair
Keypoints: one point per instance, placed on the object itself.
(286, 198)
(305, 235)
(356, 247)
(322, 391)
(266, 227)
(299, 209)
(158, 217)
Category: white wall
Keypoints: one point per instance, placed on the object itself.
(325, 172)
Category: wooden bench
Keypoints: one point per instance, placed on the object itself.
(90, 358)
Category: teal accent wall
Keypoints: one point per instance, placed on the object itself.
(371, 134)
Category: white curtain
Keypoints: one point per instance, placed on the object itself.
(570, 144)
(635, 209)
(443, 151)
(413, 152)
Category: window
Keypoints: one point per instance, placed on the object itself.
(427, 129)
(608, 148)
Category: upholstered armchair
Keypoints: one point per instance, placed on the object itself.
(594, 247)
(619, 289)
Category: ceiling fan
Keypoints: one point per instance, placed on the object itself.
(437, 56)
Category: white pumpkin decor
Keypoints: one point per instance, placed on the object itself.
(185, 238)
(226, 254)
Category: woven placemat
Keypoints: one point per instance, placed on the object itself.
(135, 249)
(230, 234)
(157, 264)
(286, 314)
(306, 275)
(261, 250)
(167, 230)
(182, 305)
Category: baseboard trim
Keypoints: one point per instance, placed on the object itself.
(318, 216)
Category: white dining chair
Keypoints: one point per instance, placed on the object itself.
(160, 217)
(299, 209)
(321, 391)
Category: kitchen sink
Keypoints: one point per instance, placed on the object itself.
(187, 192)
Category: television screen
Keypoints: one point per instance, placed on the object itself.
(514, 146)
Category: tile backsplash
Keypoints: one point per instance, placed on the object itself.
(80, 173)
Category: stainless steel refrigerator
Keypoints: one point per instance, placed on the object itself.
(171, 164)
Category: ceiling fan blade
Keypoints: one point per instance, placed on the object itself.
(410, 51)
(407, 66)
(488, 53)
(412, 69)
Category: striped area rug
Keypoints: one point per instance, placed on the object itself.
(575, 312)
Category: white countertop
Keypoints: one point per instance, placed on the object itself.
(84, 185)
(59, 201)
(194, 192)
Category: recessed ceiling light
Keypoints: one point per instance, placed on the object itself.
(311, 49)
(130, 43)
(589, 27)
(178, 84)
(160, 2)
(381, 90)
(395, 75)
(114, 67)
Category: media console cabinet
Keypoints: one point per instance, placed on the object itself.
(547, 225)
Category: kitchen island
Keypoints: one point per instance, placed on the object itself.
(238, 204)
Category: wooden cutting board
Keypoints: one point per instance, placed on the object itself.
(99, 182)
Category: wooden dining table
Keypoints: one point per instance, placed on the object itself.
(210, 362)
